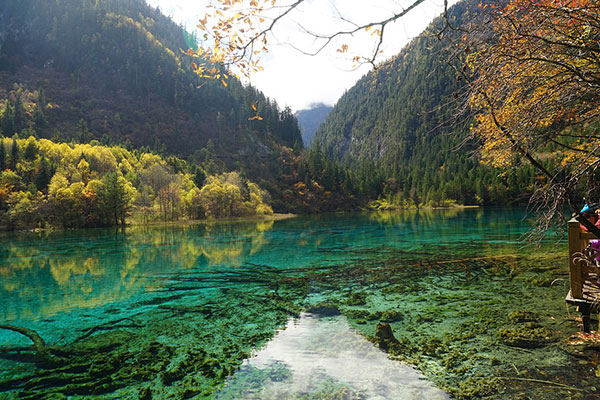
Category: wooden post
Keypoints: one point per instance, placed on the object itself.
(575, 270)
(585, 309)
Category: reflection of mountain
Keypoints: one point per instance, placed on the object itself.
(43, 276)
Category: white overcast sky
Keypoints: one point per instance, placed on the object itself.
(297, 80)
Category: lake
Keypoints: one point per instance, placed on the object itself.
(288, 309)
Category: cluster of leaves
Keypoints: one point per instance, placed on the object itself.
(43, 183)
(238, 32)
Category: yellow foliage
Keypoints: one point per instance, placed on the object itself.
(529, 81)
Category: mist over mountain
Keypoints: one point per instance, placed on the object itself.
(309, 120)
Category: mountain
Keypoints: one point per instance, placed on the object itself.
(310, 119)
(114, 71)
(400, 120)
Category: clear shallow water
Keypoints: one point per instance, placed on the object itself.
(325, 357)
(172, 311)
(49, 273)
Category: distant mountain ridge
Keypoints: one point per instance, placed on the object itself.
(310, 119)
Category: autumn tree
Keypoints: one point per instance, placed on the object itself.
(162, 183)
(116, 196)
(536, 94)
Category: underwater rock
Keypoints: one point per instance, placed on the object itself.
(357, 314)
(526, 336)
(55, 396)
(324, 309)
(357, 299)
(104, 368)
(391, 316)
(384, 331)
(384, 336)
(145, 393)
(476, 387)
(172, 375)
(105, 342)
(519, 316)
(375, 316)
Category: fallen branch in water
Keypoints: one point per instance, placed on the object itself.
(562, 385)
(41, 350)
(108, 326)
(38, 342)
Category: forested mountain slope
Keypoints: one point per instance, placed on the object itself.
(113, 70)
(401, 120)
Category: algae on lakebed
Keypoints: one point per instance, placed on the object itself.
(171, 350)
(183, 309)
(481, 329)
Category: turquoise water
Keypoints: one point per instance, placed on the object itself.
(219, 310)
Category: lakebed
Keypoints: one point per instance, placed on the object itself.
(290, 308)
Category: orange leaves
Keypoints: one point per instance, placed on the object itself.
(343, 49)
(582, 338)
(376, 32)
(536, 78)
(255, 117)
(233, 29)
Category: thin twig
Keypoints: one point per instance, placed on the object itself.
(562, 385)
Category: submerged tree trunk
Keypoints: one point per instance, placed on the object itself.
(42, 353)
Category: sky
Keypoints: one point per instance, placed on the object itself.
(298, 80)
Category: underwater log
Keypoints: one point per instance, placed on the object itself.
(41, 351)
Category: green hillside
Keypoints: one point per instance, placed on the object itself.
(114, 70)
(401, 120)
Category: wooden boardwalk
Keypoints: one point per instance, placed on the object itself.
(584, 275)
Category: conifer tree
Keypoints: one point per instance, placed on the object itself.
(14, 153)
(2, 155)
(42, 179)
(7, 122)
(19, 115)
(31, 149)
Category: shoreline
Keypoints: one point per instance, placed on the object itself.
(415, 208)
(252, 218)
(134, 224)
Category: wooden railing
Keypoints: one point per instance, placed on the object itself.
(578, 269)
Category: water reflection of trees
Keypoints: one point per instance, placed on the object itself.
(41, 275)
(428, 216)
(482, 231)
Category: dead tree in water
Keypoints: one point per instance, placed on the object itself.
(43, 355)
